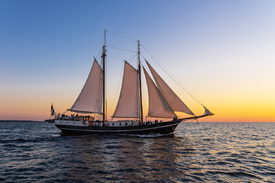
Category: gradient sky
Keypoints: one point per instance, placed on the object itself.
(221, 51)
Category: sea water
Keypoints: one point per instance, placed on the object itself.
(203, 152)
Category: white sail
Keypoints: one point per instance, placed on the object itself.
(128, 103)
(90, 98)
(173, 100)
(158, 107)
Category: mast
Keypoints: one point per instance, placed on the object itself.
(139, 77)
(103, 70)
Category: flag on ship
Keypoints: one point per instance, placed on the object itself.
(52, 110)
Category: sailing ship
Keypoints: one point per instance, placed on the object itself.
(163, 103)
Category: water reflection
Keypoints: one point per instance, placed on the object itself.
(124, 158)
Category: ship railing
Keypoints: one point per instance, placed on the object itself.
(74, 118)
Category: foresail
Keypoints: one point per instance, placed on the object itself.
(206, 111)
(158, 107)
(173, 100)
(90, 98)
(128, 103)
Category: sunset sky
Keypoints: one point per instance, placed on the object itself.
(222, 52)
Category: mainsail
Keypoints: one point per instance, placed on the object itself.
(90, 98)
(173, 100)
(158, 107)
(128, 103)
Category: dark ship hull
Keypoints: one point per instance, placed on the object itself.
(145, 129)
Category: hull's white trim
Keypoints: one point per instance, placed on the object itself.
(71, 123)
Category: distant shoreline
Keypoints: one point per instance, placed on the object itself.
(19, 121)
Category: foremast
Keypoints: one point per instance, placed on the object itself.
(104, 74)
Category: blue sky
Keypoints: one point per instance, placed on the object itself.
(222, 51)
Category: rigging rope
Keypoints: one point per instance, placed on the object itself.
(122, 35)
(129, 60)
(120, 59)
(206, 118)
(115, 58)
(121, 49)
(98, 55)
(121, 43)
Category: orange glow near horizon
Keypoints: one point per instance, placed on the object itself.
(228, 106)
(26, 109)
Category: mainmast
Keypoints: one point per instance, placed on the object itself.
(139, 77)
(103, 70)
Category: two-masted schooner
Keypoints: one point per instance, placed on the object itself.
(163, 102)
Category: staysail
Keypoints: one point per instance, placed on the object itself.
(158, 107)
(128, 103)
(173, 100)
(90, 98)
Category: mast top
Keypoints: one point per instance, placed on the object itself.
(105, 37)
